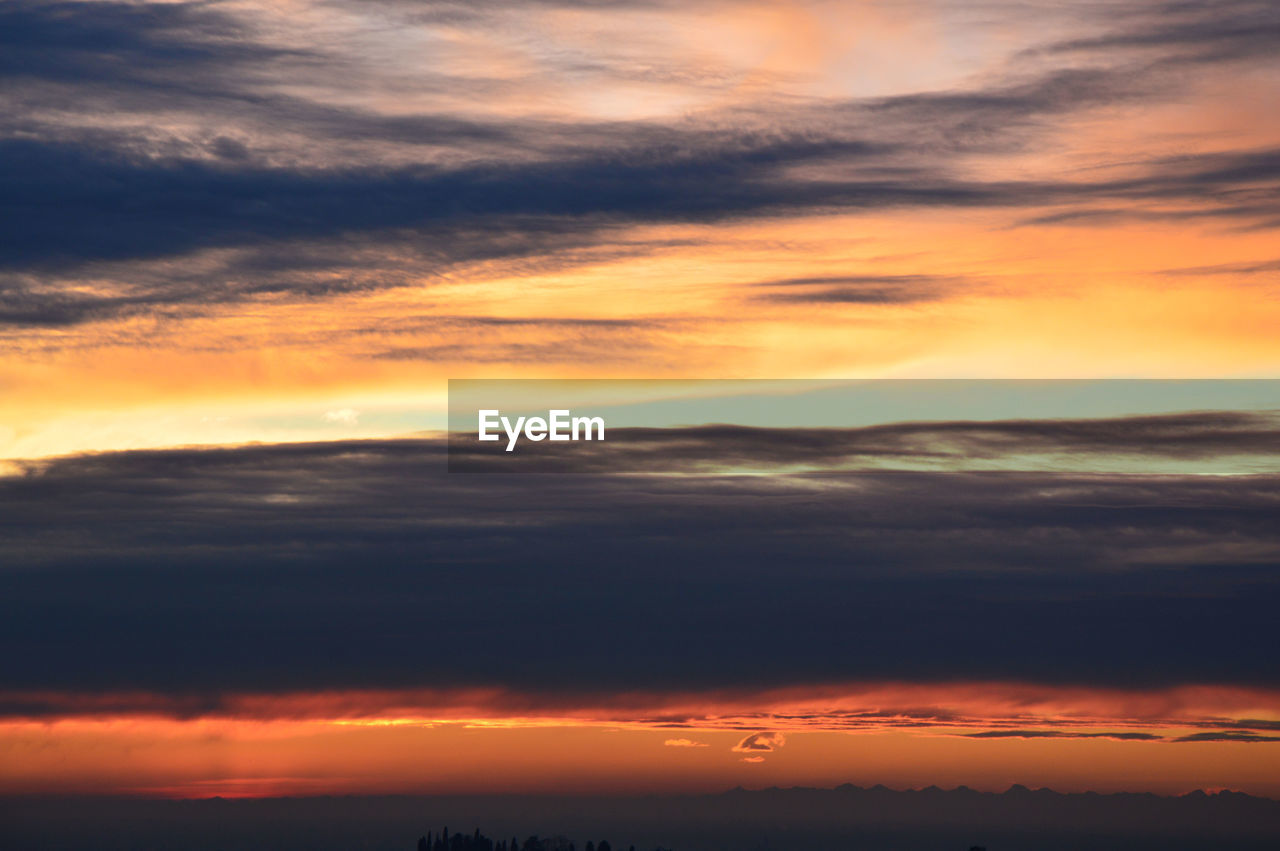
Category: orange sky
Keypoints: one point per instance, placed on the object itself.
(204, 759)
(267, 222)
(479, 742)
(1158, 286)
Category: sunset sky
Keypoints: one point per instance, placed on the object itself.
(245, 245)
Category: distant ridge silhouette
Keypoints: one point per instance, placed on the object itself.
(477, 841)
(844, 818)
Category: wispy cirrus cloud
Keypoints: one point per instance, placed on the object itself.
(863, 289)
(280, 151)
(1168, 437)
(1174, 32)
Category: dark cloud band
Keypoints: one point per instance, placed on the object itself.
(364, 565)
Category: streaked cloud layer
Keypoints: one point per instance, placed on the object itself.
(1047, 577)
(232, 202)
(255, 608)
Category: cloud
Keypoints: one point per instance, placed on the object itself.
(765, 742)
(1064, 734)
(1227, 736)
(684, 743)
(969, 709)
(752, 759)
(862, 289)
(714, 178)
(1184, 437)
(166, 46)
(1249, 724)
(1177, 33)
(1258, 268)
(268, 156)
(342, 416)
(177, 207)
(335, 560)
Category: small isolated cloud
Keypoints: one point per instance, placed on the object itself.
(1227, 736)
(760, 742)
(1062, 734)
(685, 743)
(344, 416)
(752, 759)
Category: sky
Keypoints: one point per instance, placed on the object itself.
(246, 245)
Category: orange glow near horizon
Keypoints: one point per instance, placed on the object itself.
(162, 758)
(905, 735)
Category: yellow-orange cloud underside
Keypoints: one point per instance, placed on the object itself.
(1050, 302)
